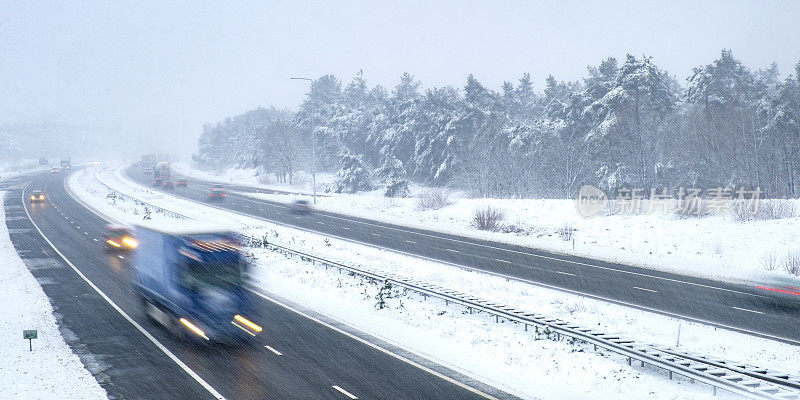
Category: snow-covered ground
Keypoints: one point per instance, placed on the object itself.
(717, 246)
(501, 354)
(51, 370)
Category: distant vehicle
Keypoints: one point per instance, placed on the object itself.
(301, 206)
(779, 286)
(157, 181)
(119, 237)
(55, 170)
(162, 170)
(217, 193)
(66, 164)
(148, 171)
(37, 196)
(169, 184)
(94, 162)
(191, 279)
(183, 182)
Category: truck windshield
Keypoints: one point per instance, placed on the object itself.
(196, 275)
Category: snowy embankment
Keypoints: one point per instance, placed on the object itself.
(716, 246)
(502, 354)
(51, 370)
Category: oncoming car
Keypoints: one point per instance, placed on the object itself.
(119, 237)
(37, 196)
(55, 170)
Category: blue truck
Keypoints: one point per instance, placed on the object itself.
(191, 278)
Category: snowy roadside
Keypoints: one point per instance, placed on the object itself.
(716, 247)
(502, 354)
(51, 370)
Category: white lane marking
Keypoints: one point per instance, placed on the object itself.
(79, 227)
(563, 273)
(296, 217)
(345, 392)
(320, 222)
(376, 347)
(85, 233)
(95, 240)
(273, 350)
(453, 250)
(411, 241)
(752, 311)
(345, 228)
(503, 261)
(646, 290)
(120, 256)
(260, 209)
(147, 334)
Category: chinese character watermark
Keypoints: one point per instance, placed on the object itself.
(685, 201)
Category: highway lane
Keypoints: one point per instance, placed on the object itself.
(315, 361)
(724, 304)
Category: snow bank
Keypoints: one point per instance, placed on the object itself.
(51, 370)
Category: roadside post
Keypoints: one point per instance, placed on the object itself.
(30, 335)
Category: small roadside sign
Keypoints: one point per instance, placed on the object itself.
(30, 334)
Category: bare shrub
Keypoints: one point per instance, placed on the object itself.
(792, 263)
(433, 199)
(742, 213)
(612, 207)
(775, 209)
(566, 232)
(765, 210)
(487, 218)
(770, 261)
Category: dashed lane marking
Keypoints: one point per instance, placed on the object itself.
(752, 311)
(344, 392)
(273, 350)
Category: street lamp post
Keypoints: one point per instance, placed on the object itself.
(313, 151)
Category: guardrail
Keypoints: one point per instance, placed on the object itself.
(738, 378)
(119, 194)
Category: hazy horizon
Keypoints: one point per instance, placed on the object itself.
(156, 73)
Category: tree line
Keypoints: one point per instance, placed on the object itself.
(626, 124)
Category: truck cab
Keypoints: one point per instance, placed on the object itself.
(191, 278)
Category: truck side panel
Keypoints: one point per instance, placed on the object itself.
(150, 265)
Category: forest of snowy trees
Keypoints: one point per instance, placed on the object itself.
(628, 123)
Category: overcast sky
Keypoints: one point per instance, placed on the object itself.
(159, 71)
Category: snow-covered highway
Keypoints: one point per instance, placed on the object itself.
(734, 306)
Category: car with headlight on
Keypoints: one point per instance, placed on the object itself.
(55, 170)
(37, 196)
(119, 237)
